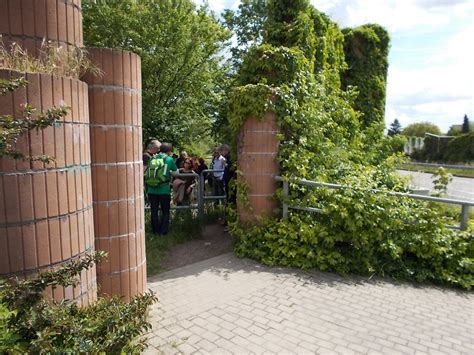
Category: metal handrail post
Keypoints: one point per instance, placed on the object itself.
(286, 193)
(201, 196)
(464, 216)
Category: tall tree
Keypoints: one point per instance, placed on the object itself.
(420, 128)
(180, 46)
(246, 23)
(465, 125)
(395, 128)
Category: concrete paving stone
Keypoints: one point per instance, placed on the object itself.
(327, 351)
(221, 351)
(259, 312)
(309, 346)
(186, 348)
(242, 332)
(223, 343)
(465, 349)
(246, 314)
(318, 312)
(211, 336)
(241, 341)
(206, 346)
(229, 317)
(260, 321)
(404, 349)
(226, 334)
(184, 334)
(195, 329)
(343, 350)
(226, 325)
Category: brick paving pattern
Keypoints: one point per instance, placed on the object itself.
(227, 305)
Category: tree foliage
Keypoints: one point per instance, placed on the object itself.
(395, 128)
(180, 46)
(420, 128)
(246, 23)
(465, 125)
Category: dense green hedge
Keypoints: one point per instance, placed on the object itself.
(322, 139)
(460, 149)
(449, 150)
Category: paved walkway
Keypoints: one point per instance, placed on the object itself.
(461, 188)
(228, 305)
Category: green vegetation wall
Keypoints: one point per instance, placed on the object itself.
(366, 51)
(329, 53)
(357, 230)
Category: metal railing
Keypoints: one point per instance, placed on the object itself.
(201, 197)
(465, 205)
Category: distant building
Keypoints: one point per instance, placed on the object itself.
(418, 143)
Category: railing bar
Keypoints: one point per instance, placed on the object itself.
(307, 209)
(413, 196)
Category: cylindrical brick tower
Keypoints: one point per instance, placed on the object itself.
(46, 214)
(117, 171)
(28, 22)
(256, 158)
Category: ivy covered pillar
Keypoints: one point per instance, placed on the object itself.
(257, 151)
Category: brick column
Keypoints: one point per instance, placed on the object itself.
(117, 171)
(256, 159)
(46, 209)
(28, 22)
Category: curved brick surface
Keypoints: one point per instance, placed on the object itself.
(117, 171)
(28, 22)
(46, 213)
(256, 159)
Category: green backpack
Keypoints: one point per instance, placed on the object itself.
(155, 173)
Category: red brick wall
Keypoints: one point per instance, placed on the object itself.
(27, 22)
(256, 158)
(117, 171)
(46, 209)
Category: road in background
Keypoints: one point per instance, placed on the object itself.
(460, 188)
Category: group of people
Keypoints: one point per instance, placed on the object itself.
(183, 184)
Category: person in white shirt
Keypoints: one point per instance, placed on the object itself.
(218, 163)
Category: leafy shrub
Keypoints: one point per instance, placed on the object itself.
(31, 324)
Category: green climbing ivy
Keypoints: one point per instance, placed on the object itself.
(322, 138)
(366, 51)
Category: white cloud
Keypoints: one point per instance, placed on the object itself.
(395, 15)
(441, 91)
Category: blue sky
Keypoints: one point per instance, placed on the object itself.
(431, 70)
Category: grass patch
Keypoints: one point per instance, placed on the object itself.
(72, 62)
(432, 169)
(184, 226)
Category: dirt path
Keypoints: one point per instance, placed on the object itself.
(215, 241)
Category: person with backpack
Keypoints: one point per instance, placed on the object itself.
(157, 179)
(153, 148)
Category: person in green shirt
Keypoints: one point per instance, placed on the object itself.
(160, 196)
